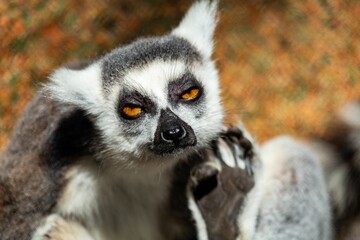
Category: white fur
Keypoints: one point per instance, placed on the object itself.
(48, 226)
(207, 74)
(248, 217)
(58, 228)
(115, 207)
(226, 153)
(294, 203)
(83, 88)
(79, 87)
(153, 79)
(238, 153)
(336, 187)
(198, 26)
(122, 199)
(80, 194)
(150, 80)
(199, 220)
(213, 160)
(350, 114)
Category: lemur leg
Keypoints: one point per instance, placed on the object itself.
(57, 228)
(294, 203)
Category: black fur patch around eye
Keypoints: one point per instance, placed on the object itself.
(135, 98)
(177, 87)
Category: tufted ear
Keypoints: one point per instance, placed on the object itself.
(198, 26)
(80, 87)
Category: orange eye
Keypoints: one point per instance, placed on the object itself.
(190, 94)
(131, 112)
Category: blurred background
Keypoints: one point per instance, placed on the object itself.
(285, 66)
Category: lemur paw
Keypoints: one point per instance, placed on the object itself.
(234, 149)
(221, 183)
(204, 178)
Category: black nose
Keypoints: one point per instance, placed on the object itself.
(172, 132)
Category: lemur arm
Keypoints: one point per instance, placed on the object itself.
(221, 184)
(289, 199)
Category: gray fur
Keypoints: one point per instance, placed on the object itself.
(29, 184)
(294, 202)
(73, 159)
(339, 152)
(143, 51)
(97, 170)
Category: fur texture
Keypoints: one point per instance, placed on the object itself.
(294, 203)
(80, 167)
(75, 157)
(339, 152)
(31, 168)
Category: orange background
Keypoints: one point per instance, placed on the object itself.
(285, 65)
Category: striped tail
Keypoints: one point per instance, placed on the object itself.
(339, 152)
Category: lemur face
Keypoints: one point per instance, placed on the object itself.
(166, 99)
(155, 98)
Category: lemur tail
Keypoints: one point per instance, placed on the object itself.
(339, 152)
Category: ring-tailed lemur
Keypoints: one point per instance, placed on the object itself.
(118, 148)
(98, 144)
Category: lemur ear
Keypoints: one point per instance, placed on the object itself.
(198, 26)
(81, 88)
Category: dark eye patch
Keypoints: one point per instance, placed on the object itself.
(134, 99)
(183, 85)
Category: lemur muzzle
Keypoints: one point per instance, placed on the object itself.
(172, 133)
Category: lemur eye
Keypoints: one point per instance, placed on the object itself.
(191, 94)
(131, 112)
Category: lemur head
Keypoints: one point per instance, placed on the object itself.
(154, 99)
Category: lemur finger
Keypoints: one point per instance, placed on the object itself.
(233, 149)
(224, 153)
(203, 172)
(204, 179)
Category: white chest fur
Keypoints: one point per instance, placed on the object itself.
(125, 207)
